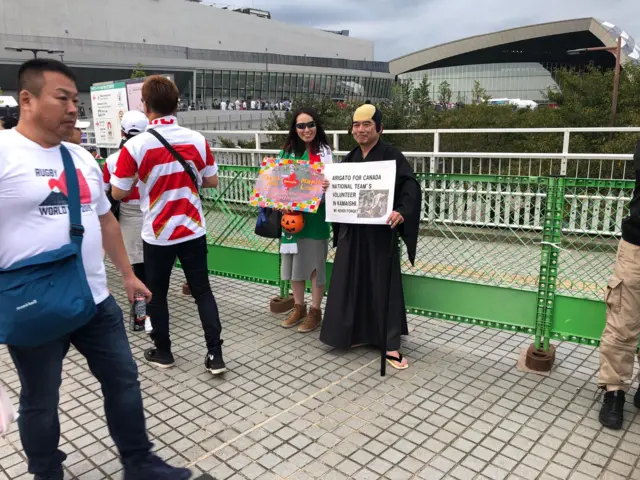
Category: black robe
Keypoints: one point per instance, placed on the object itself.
(356, 302)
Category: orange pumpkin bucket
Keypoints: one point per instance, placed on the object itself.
(292, 222)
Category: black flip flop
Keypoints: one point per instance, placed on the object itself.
(391, 359)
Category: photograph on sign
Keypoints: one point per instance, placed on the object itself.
(287, 184)
(134, 94)
(360, 192)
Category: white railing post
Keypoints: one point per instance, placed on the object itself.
(336, 142)
(431, 193)
(565, 151)
(258, 147)
(436, 149)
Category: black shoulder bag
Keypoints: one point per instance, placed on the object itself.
(268, 223)
(177, 156)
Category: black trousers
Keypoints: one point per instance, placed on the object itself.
(138, 270)
(158, 263)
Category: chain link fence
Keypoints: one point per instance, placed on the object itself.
(484, 220)
(476, 228)
(592, 215)
(481, 229)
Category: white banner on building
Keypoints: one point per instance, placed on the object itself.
(109, 104)
(360, 192)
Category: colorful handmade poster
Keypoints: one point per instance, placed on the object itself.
(286, 184)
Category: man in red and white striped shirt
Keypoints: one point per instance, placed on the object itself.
(174, 223)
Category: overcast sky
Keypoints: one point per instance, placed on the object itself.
(399, 27)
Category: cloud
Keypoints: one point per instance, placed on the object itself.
(401, 27)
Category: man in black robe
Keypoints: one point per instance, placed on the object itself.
(366, 281)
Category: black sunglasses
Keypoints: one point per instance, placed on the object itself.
(302, 126)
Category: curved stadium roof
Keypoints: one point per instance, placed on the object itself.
(544, 43)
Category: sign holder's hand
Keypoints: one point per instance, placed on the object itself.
(395, 219)
(325, 185)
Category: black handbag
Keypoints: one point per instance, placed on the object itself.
(268, 223)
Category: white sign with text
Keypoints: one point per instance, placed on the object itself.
(360, 192)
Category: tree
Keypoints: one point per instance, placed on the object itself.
(138, 72)
(444, 93)
(421, 94)
(583, 100)
(479, 94)
(402, 91)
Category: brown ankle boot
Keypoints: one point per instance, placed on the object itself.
(313, 321)
(296, 316)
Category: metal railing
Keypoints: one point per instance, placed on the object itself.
(489, 204)
(518, 241)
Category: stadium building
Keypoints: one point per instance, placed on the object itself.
(212, 53)
(517, 63)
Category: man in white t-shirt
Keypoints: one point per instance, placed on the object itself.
(174, 222)
(34, 219)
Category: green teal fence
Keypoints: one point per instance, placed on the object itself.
(519, 253)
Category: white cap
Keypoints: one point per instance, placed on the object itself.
(82, 124)
(135, 121)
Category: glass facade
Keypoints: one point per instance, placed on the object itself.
(525, 81)
(214, 86)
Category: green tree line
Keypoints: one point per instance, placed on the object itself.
(583, 100)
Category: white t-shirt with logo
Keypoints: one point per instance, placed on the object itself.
(34, 215)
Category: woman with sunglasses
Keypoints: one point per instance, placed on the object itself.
(307, 141)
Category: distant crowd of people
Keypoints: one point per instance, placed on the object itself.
(249, 104)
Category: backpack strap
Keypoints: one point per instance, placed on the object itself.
(177, 156)
(76, 229)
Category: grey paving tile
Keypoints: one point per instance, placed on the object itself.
(461, 411)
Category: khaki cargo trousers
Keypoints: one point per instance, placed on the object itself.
(620, 337)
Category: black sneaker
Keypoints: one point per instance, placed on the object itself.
(159, 358)
(612, 408)
(57, 475)
(636, 398)
(215, 364)
(154, 468)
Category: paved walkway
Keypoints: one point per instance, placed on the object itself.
(293, 408)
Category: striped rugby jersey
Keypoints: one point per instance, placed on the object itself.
(107, 171)
(168, 199)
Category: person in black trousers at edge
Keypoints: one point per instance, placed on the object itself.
(620, 337)
(172, 163)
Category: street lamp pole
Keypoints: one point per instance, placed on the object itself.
(35, 51)
(617, 51)
(616, 83)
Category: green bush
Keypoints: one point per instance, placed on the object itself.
(584, 101)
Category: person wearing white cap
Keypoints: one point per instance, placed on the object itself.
(128, 209)
(76, 135)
